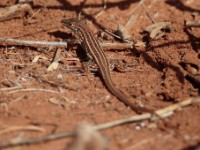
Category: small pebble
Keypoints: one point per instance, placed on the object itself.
(186, 137)
(24, 79)
(137, 127)
(152, 126)
(60, 76)
(11, 71)
(142, 124)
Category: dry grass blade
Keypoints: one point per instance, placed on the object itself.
(102, 10)
(20, 128)
(33, 90)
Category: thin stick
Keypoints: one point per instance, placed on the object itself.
(114, 35)
(28, 42)
(162, 113)
(45, 43)
(189, 25)
(102, 10)
(54, 64)
(32, 90)
(147, 13)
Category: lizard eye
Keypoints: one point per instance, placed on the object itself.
(75, 29)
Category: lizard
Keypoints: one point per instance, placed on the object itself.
(95, 52)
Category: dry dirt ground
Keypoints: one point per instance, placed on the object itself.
(35, 102)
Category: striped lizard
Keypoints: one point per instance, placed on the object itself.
(94, 51)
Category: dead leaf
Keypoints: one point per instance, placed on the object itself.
(157, 30)
(36, 58)
(123, 33)
(53, 66)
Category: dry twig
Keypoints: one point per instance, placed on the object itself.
(32, 90)
(192, 24)
(32, 43)
(116, 46)
(20, 128)
(102, 10)
(162, 113)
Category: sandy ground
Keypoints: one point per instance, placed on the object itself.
(164, 72)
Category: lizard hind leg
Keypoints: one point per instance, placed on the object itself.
(117, 65)
(89, 67)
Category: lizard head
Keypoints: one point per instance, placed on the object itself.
(72, 24)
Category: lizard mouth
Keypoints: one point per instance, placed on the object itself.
(66, 22)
